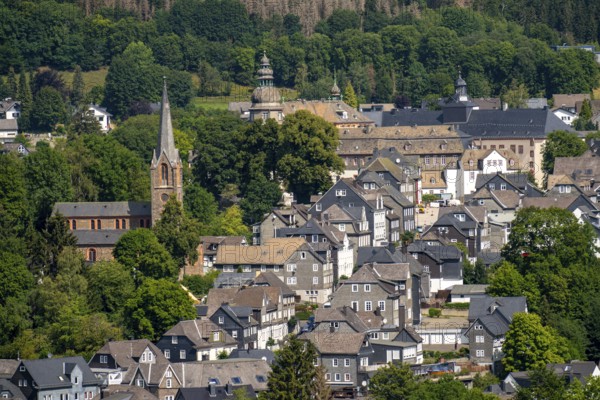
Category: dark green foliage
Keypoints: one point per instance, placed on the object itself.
(77, 87)
(561, 144)
(200, 204)
(178, 233)
(139, 134)
(110, 285)
(48, 109)
(293, 372)
(142, 254)
(156, 306)
(199, 285)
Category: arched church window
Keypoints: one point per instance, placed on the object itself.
(164, 174)
(92, 255)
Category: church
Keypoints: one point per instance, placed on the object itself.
(99, 225)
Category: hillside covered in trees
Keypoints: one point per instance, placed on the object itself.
(408, 50)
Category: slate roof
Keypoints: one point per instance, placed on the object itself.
(253, 296)
(199, 333)
(220, 393)
(198, 374)
(335, 343)
(9, 125)
(241, 315)
(345, 314)
(439, 253)
(104, 209)
(8, 367)
(559, 179)
(127, 352)
(257, 354)
(513, 123)
(330, 111)
(127, 392)
(269, 278)
(506, 198)
(233, 279)
(563, 201)
(166, 139)
(569, 100)
(477, 155)
(7, 104)
(7, 387)
(371, 254)
(412, 117)
(495, 313)
(581, 370)
(488, 103)
(101, 237)
(468, 289)
(47, 372)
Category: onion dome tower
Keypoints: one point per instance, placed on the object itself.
(266, 99)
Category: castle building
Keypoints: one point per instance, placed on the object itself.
(99, 225)
(266, 99)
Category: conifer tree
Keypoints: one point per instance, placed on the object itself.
(293, 374)
(12, 83)
(78, 87)
(3, 89)
(350, 96)
(26, 99)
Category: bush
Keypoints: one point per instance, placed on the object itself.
(457, 306)
(435, 312)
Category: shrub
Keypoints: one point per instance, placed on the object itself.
(457, 306)
(435, 312)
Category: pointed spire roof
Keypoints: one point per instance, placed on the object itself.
(166, 140)
(335, 90)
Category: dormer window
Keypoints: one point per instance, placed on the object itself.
(443, 146)
(340, 192)
(432, 180)
(174, 340)
(471, 163)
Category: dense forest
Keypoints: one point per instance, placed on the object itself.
(414, 54)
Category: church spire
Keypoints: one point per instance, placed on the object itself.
(166, 140)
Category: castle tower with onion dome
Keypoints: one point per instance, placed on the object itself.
(266, 99)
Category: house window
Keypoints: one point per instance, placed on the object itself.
(143, 357)
(234, 334)
(355, 306)
(479, 339)
(74, 224)
(492, 186)
(368, 306)
(315, 280)
(328, 377)
(315, 267)
(334, 362)
(265, 116)
(520, 149)
(174, 340)
(381, 305)
(164, 175)
(276, 268)
(355, 288)
(221, 320)
(338, 377)
(291, 280)
(167, 353)
(367, 287)
(169, 383)
(340, 192)
(503, 186)
(315, 238)
(478, 327)
(123, 224)
(386, 336)
(142, 223)
(347, 377)
(318, 207)
(93, 224)
(247, 268)
(291, 267)
(139, 382)
(342, 227)
(480, 353)
(103, 360)
(346, 362)
(117, 224)
(303, 255)
(216, 336)
(263, 268)
(427, 160)
(182, 354)
(99, 224)
(92, 255)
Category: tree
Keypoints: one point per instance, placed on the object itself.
(26, 99)
(308, 154)
(393, 382)
(156, 306)
(260, 197)
(14, 210)
(110, 285)
(178, 233)
(200, 204)
(230, 223)
(350, 96)
(48, 109)
(561, 144)
(142, 254)
(77, 87)
(293, 374)
(48, 180)
(516, 95)
(322, 389)
(530, 345)
(545, 384)
(12, 83)
(132, 77)
(139, 135)
(199, 285)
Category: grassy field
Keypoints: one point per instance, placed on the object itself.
(90, 78)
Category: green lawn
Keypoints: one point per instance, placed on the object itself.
(90, 78)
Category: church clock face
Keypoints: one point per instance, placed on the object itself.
(164, 197)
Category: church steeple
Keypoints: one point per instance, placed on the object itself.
(166, 167)
(166, 140)
(336, 93)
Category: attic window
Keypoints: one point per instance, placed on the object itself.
(443, 146)
(22, 368)
(261, 378)
(214, 381)
(407, 146)
(432, 180)
(471, 163)
(236, 380)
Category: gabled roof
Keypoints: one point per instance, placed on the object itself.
(341, 314)
(127, 392)
(495, 313)
(8, 367)
(99, 109)
(240, 315)
(198, 374)
(100, 237)
(127, 352)
(330, 111)
(569, 100)
(560, 179)
(10, 390)
(563, 201)
(375, 254)
(55, 372)
(335, 343)
(269, 278)
(508, 199)
(199, 333)
(513, 123)
(103, 209)
(439, 253)
(9, 125)
(219, 393)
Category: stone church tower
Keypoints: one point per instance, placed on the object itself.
(166, 169)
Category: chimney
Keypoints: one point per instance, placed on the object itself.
(212, 389)
(228, 390)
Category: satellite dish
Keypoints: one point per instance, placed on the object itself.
(397, 161)
(384, 321)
